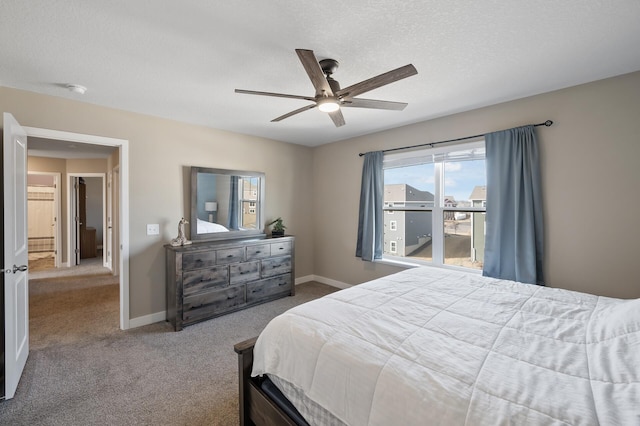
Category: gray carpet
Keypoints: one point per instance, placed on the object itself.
(92, 266)
(83, 370)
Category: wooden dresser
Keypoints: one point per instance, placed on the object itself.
(209, 279)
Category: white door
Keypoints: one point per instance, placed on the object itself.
(74, 257)
(109, 243)
(16, 256)
(115, 223)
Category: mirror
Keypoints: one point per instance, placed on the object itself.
(226, 203)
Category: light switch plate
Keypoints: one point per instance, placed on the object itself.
(153, 229)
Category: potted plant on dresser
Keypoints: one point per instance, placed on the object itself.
(278, 228)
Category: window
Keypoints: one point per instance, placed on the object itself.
(438, 197)
(248, 201)
(393, 245)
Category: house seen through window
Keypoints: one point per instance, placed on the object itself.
(435, 204)
(248, 201)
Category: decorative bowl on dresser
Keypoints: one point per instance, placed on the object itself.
(209, 279)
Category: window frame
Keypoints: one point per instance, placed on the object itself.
(438, 209)
(254, 200)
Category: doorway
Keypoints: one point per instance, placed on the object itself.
(87, 221)
(43, 217)
(120, 217)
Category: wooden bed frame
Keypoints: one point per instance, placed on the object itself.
(256, 408)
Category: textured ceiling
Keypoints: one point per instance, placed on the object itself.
(183, 60)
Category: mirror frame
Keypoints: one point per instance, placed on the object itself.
(258, 232)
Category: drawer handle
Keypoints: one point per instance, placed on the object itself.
(230, 255)
(258, 252)
(281, 248)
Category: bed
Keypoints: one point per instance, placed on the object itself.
(436, 346)
(205, 227)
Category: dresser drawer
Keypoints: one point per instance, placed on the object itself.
(275, 266)
(203, 279)
(231, 255)
(281, 249)
(258, 252)
(241, 272)
(213, 302)
(198, 260)
(265, 289)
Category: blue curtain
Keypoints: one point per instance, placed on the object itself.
(232, 223)
(514, 233)
(370, 221)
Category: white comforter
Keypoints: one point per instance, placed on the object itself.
(432, 346)
(205, 227)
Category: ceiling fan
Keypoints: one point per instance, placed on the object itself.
(330, 97)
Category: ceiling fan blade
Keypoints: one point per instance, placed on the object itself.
(297, 111)
(377, 81)
(337, 117)
(312, 67)
(277, 95)
(372, 103)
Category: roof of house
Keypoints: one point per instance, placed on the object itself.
(478, 193)
(404, 192)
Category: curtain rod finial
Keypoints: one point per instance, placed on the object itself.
(548, 123)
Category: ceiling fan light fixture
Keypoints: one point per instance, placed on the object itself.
(329, 97)
(328, 105)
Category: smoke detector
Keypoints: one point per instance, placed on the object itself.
(76, 88)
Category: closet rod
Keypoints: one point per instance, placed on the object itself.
(431, 144)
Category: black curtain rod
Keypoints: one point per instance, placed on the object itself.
(431, 144)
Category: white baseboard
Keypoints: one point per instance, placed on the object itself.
(305, 279)
(322, 280)
(147, 319)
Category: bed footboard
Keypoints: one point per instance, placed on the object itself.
(256, 408)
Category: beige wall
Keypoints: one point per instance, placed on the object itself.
(160, 150)
(97, 165)
(591, 180)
